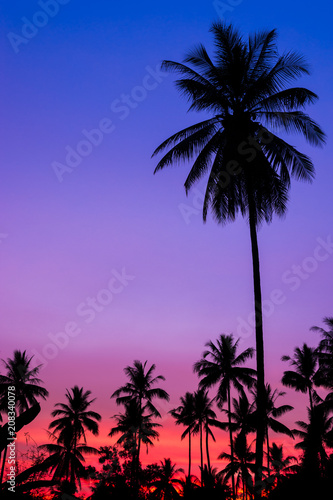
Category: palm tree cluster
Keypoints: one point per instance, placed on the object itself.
(232, 408)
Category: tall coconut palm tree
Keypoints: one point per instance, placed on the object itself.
(246, 91)
(75, 417)
(221, 365)
(166, 485)
(305, 361)
(184, 415)
(21, 375)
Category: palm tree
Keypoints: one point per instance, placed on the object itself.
(75, 418)
(243, 416)
(241, 463)
(302, 378)
(140, 388)
(66, 462)
(164, 487)
(204, 418)
(317, 436)
(184, 415)
(245, 90)
(324, 376)
(281, 465)
(220, 364)
(271, 414)
(135, 427)
(21, 375)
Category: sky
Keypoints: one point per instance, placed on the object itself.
(103, 262)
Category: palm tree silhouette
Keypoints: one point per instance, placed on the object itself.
(271, 414)
(66, 462)
(243, 416)
(74, 416)
(71, 426)
(302, 378)
(281, 465)
(140, 388)
(317, 435)
(21, 375)
(324, 376)
(164, 487)
(246, 91)
(240, 464)
(205, 417)
(134, 427)
(220, 364)
(184, 415)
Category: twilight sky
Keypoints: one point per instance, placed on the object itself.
(92, 244)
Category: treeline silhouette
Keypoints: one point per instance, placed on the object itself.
(225, 399)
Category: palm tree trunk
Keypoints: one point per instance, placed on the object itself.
(267, 441)
(231, 445)
(260, 403)
(207, 450)
(3, 464)
(189, 457)
(310, 397)
(201, 454)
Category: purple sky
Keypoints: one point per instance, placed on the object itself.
(95, 66)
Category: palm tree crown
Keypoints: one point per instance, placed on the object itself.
(140, 387)
(220, 364)
(20, 374)
(75, 418)
(246, 90)
(302, 378)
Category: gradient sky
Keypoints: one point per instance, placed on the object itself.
(62, 242)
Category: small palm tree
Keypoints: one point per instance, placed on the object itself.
(301, 379)
(316, 436)
(166, 485)
(221, 365)
(184, 415)
(241, 464)
(134, 427)
(246, 92)
(65, 462)
(140, 388)
(21, 375)
(281, 465)
(205, 417)
(324, 376)
(74, 416)
(271, 414)
(243, 416)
